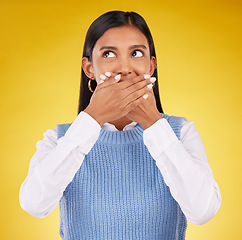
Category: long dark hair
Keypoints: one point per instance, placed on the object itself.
(96, 30)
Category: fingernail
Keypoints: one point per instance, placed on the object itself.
(117, 77)
(145, 96)
(146, 76)
(108, 74)
(101, 81)
(150, 86)
(152, 79)
(102, 77)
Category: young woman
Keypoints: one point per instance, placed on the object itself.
(122, 169)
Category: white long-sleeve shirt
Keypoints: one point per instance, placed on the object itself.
(183, 164)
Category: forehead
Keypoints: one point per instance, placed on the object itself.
(122, 36)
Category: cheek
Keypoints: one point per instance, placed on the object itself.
(100, 67)
(97, 70)
(137, 66)
(141, 66)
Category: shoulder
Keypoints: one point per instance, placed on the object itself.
(61, 129)
(49, 140)
(183, 122)
(175, 120)
(52, 135)
(181, 126)
(175, 123)
(175, 117)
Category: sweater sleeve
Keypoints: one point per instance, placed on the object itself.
(55, 163)
(185, 169)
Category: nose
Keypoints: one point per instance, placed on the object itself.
(125, 67)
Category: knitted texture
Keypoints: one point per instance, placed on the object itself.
(119, 192)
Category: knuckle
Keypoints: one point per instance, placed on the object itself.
(141, 84)
(141, 78)
(133, 88)
(135, 95)
(132, 80)
(130, 106)
(133, 104)
(146, 89)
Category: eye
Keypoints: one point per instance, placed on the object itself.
(108, 54)
(137, 53)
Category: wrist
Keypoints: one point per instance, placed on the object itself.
(150, 120)
(93, 115)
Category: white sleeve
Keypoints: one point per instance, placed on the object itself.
(185, 169)
(55, 163)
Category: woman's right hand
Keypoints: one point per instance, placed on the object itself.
(116, 96)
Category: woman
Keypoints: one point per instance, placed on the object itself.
(123, 169)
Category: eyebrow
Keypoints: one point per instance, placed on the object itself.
(115, 48)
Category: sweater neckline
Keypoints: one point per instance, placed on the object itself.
(122, 137)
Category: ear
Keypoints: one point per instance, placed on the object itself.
(87, 67)
(152, 65)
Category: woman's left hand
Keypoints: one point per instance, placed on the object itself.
(146, 113)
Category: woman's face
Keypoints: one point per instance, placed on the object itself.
(122, 50)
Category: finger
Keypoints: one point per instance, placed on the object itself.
(135, 103)
(140, 81)
(105, 76)
(142, 92)
(108, 79)
(144, 84)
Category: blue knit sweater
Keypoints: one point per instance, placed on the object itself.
(119, 192)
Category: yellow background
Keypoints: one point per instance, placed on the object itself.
(198, 46)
